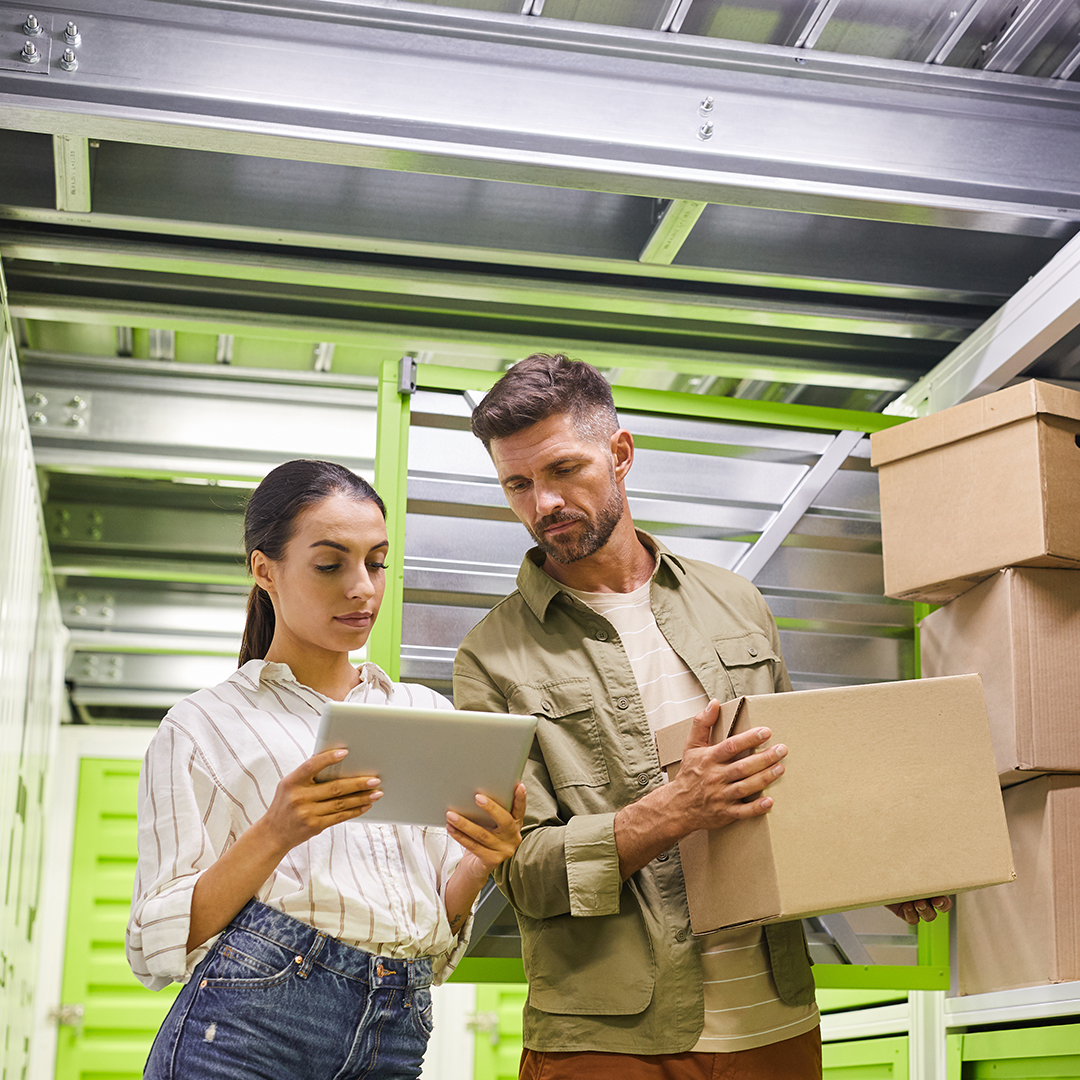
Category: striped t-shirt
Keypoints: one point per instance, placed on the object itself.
(742, 1007)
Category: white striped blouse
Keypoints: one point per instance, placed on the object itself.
(212, 770)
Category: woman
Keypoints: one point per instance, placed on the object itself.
(306, 939)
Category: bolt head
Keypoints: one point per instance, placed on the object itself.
(706, 130)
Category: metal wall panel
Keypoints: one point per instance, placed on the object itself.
(31, 672)
(708, 490)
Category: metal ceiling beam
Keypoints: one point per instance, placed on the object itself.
(1026, 32)
(171, 419)
(846, 136)
(459, 347)
(419, 288)
(1014, 337)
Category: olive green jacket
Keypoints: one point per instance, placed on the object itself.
(612, 965)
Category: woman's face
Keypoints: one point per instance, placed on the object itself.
(328, 586)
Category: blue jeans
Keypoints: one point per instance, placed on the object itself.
(275, 999)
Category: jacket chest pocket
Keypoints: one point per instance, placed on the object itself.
(566, 730)
(750, 661)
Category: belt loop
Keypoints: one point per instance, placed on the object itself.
(308, 961)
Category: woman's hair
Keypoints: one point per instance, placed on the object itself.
(269, 523)
(544, 385)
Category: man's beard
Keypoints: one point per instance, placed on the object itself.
(583, 542)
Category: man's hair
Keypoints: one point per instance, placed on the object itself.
(544, 385)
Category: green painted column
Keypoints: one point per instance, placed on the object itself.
(391, 482)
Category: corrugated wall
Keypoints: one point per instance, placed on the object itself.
(31, 681)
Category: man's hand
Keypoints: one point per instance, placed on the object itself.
(719, 784)
(927, 910)
(716, 785)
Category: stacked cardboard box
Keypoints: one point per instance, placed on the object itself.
(981, 512)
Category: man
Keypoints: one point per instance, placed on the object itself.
(609, 637)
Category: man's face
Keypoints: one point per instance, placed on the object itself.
(563, 488)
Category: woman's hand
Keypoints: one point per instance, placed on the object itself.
(303, 806)
(489, 848)
(484, 848)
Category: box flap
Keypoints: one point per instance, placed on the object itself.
(670, 740)
(971, 417)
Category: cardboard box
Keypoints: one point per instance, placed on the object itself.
(1028, 933)
(890, 793)
(1020, 630)
(990, 483)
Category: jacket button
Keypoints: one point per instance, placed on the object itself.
(643, 779)
(663, 857)
(752, 651)
(601, 635)
(546, 706)
(623, 703)
(680, 935)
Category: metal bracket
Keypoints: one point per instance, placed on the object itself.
(844, 939)
(71, 164)
(488, 908)
(407, 375)
(797, 503)
(677, 220)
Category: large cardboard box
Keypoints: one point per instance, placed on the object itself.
(890, 793)
(989, 483)
(1020, 630)
(1028, 933)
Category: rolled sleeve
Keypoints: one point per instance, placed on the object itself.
(157, 937)
(592, 865)
(175, 849)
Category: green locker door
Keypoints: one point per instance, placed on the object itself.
(498, 1030)
(120, 1016)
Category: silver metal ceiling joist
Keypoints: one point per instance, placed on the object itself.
(567, 105)
(1044, 313)
(115, 416)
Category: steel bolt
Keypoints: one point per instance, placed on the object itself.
(32, 26)
(78, 609)
(706, 106)
(72, 35)
(39, 418)
(68, 61)
(75, 420)
(39, 399)
(76, 402)
(706, 130)
(30, 53)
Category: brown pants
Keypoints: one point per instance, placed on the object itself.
(792, 1059)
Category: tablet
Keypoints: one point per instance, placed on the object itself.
(429, 760)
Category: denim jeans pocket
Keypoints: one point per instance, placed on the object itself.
(243, 958)
(422, 1014)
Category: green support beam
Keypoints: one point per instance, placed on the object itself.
(391, 482)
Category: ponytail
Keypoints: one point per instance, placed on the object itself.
(259, 628)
